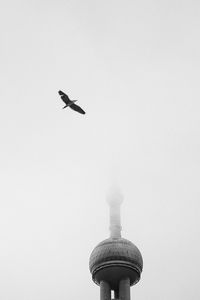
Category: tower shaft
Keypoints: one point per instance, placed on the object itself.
(124, 289)
(105, 291)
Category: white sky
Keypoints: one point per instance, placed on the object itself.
(134, 66)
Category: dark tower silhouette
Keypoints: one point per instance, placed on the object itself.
(115, 263)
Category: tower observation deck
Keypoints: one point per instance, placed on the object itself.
(115, 263)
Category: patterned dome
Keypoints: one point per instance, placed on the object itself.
(116, 258)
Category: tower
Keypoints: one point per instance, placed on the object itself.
(115, 263)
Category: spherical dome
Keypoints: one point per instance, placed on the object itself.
(114, 259)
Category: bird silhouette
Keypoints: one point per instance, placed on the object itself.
(70, 103)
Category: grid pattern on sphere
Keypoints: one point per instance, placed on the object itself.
(115, 250)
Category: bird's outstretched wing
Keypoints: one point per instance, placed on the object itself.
(77, 108)
(64, 97)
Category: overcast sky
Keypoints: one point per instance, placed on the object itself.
(134, 67)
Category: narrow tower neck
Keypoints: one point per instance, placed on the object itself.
(115, 218)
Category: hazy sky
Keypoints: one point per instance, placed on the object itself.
(134, 66)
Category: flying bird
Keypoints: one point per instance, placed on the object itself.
(70, 103)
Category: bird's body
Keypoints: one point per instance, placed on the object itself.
(70, 103)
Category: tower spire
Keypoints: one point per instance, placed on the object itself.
(114, 200)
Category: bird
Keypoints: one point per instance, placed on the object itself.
(70, 103)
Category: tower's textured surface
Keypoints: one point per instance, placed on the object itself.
(115, 255)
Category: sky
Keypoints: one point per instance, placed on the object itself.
(134, 67)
